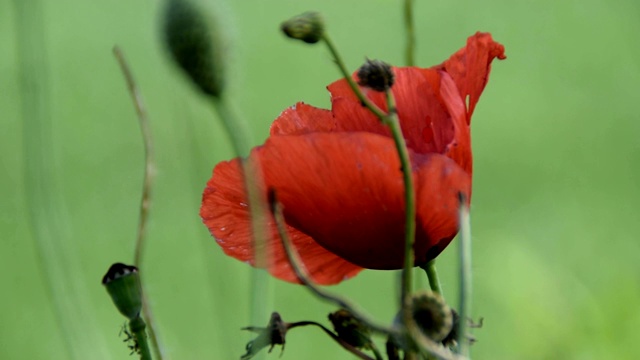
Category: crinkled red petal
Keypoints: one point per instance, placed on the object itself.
(423, 116)
(302, 119)
(470, 67)
(345, 190)
(225, 212)
(431, 112)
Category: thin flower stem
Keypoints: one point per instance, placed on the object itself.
(238, 131)
(432, 273)
(301, 273)
(393, 122)
(149, 170)
(341, 342)
(410, 32)
(145, 202)
(236, 128)
(390, 119)
(465, 278)
(347, 76)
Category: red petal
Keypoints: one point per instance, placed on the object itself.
(424, 119)
(345, 190)
(301, 119)
(459, 149)
(470, 67)
(224, 210)
(431, 112)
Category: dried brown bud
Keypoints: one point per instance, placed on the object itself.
(376, 74)
(350, 329)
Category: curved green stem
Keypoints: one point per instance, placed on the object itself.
(432, 274)
(347, 76)
(145, 201)
(359, 354)
(236, 128)
(393, 122)
(410, 32)
(301, 273)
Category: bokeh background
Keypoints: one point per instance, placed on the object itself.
(556, 182)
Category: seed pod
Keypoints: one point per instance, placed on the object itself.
(123, 285)
(432, 315)
(192, 35)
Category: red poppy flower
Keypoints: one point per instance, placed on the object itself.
(338, 177)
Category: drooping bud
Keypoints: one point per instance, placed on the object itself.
(123, 285)
(193, 37)
(350, 329)
(308, 27)
(432, 315)
(272, 335)
(376, 74)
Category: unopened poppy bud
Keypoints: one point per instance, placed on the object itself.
(376, 74)
(193, 38)
(123, 285)
(432, 315)
(274, 334)
(308, 27)
(350, 329)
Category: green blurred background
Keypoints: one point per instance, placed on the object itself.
(556, 182)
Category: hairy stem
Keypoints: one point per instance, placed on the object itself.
(137, 327)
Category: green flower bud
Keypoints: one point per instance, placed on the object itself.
(123, 285)
(308, 27)
(376, 74)
(192, 36)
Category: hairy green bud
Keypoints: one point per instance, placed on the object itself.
(308, 27)
(194, 40)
